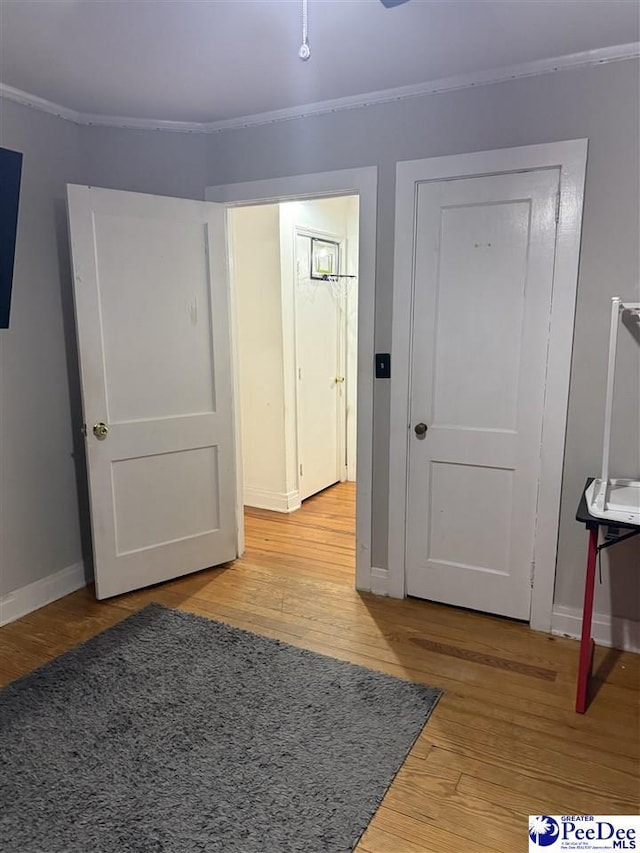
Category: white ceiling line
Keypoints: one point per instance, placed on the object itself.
(585, 58)
(37, 103)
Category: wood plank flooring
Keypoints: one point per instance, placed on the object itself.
(503, 742)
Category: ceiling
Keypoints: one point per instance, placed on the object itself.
(210, 60)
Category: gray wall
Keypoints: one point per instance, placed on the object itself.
(600, 103)
(39, 532)
(161, 163)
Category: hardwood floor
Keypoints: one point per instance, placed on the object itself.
(503, 742)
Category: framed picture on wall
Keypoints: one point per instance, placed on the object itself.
(325, 258)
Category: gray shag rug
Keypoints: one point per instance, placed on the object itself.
(171, 733)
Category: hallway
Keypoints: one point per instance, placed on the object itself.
(316, 541)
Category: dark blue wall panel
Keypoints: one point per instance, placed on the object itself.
(10, 170)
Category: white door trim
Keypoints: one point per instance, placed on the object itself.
(364, 183)
(570, 157)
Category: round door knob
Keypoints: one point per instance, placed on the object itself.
(100, 431)
(421, 429)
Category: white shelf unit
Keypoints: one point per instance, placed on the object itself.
(614, 499)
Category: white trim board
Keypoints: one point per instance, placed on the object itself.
(379, 580)
(274, 501)
(571, 158)
(35, 595)
(364, 183)
(606, 630)
(586, 58)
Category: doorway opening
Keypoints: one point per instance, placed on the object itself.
(294, 286)
(362, 182)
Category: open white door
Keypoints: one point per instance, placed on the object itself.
(151, 297)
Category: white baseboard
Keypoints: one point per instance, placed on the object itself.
(275, 501)
(29, 598)
(379, 581)
(605, 630)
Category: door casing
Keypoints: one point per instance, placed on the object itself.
(570, 157)
(364, 183)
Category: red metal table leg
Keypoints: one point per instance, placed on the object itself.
(586, 643)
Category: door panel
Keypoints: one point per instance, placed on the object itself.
(475, 386)
(151, 291)
(459, 491)
(178, 309)
(144, 489)
(483, 276)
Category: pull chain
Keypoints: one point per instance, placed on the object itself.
(305, 52)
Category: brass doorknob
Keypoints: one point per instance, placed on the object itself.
(421, 429)
(100, 431)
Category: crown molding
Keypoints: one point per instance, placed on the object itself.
(503, 74)
(601, 56)
(29, 100)
(89, 119)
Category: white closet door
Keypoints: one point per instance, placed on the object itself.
(321, 384)
(484, 258)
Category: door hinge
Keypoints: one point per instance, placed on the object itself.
(299, 373)
(532, 573)
(301, 470)
(557, 207)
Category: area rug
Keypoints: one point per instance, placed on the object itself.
(171, 733)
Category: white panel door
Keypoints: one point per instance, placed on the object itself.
(321, 388)
(484, 258)
(150, 285)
